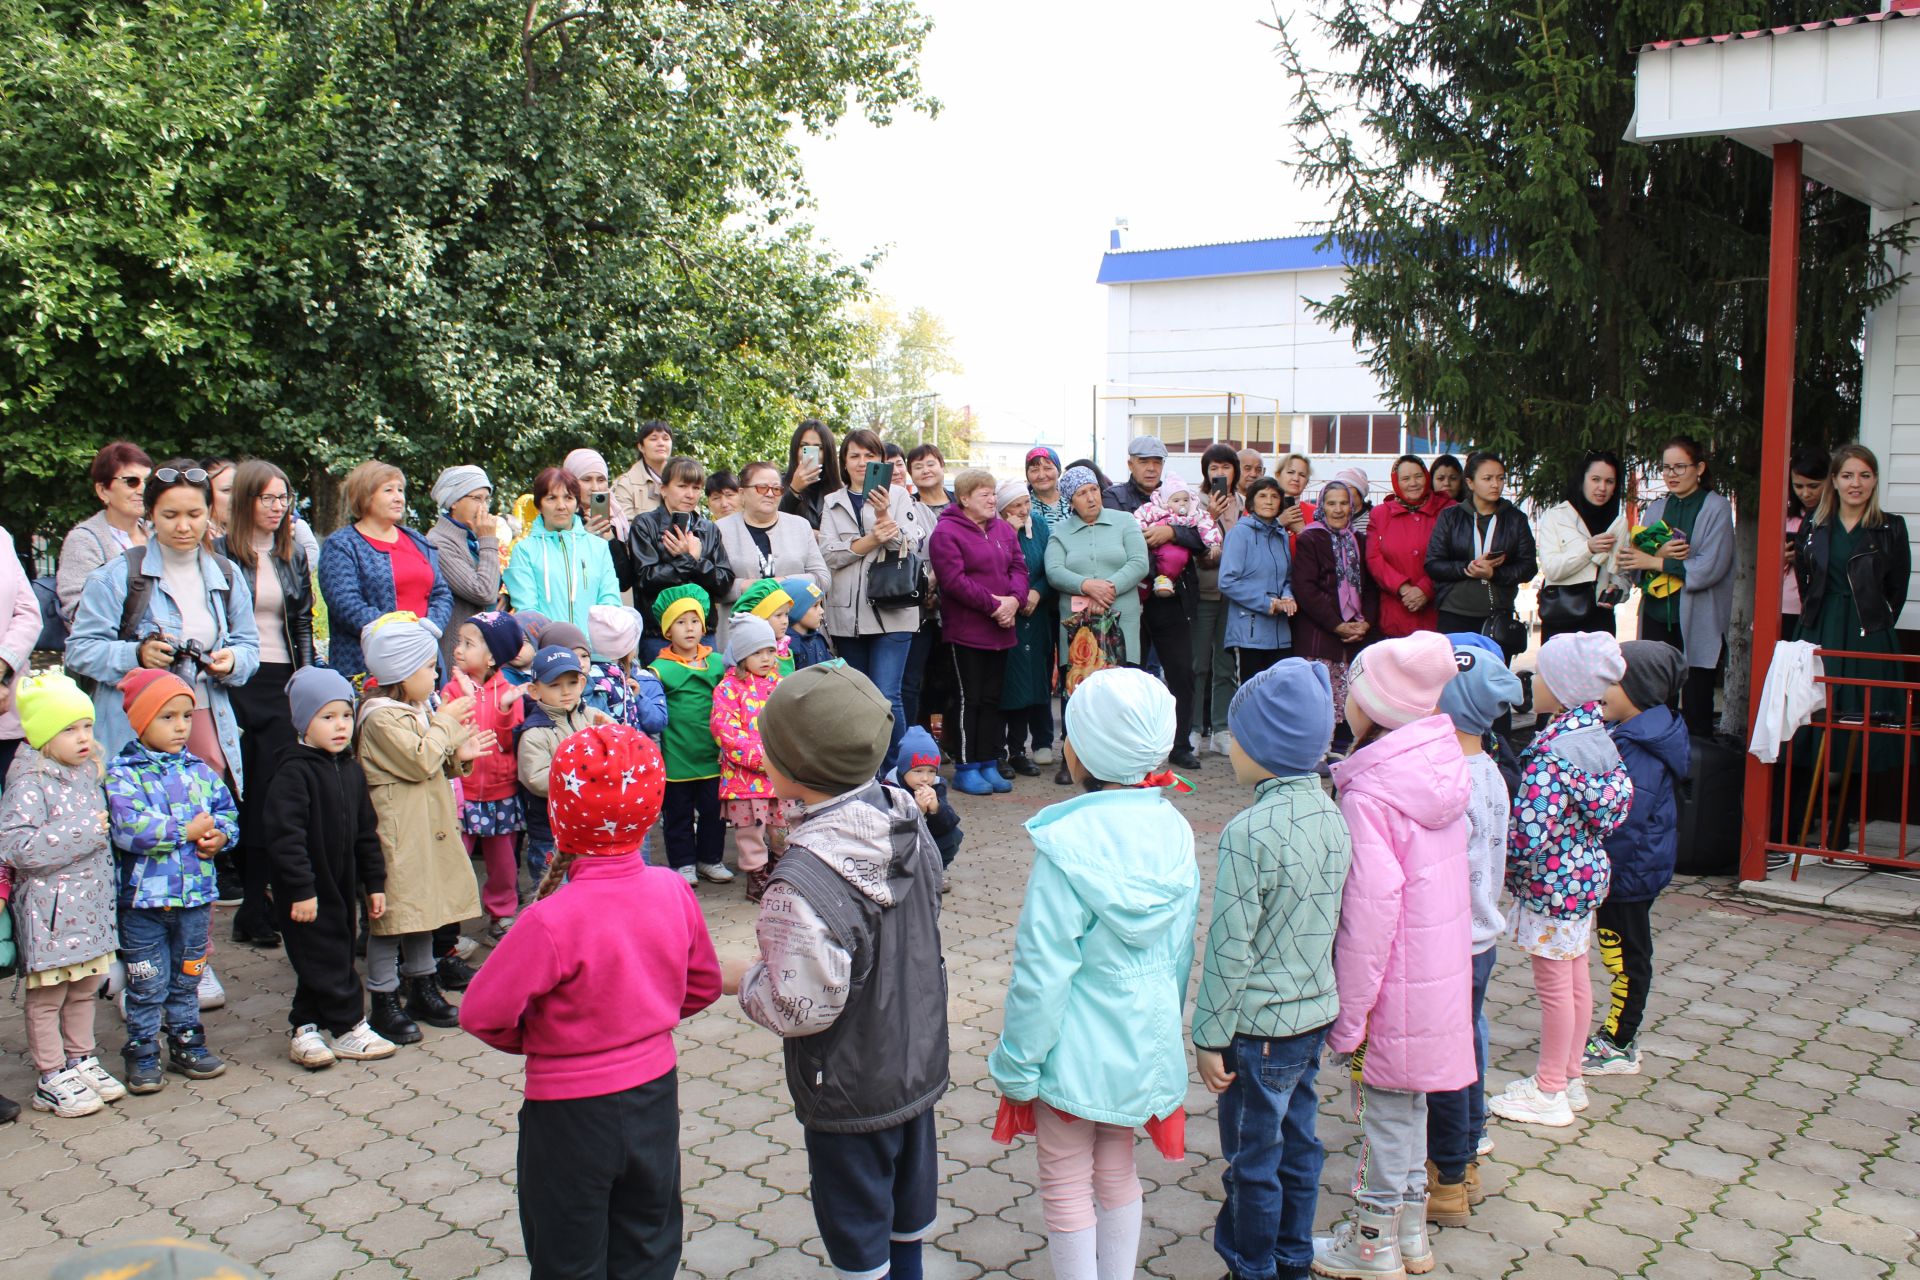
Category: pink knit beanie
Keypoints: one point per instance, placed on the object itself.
(1579, 665)
(1396, 682)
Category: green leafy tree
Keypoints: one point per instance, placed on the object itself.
(1541, 285)
(897, 359)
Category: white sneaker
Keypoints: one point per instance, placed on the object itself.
(1486, 1145)
(1524, 1103)
(363, 1044)
(498, 926)
(1223, 743)
(464, 947)
(687, 874)
(212, 994)
(306, 1047)
(67, 1095)
(99, 1080)
(1577, 1100)
(715, 871)
(1043, 756)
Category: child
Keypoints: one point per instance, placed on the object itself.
(866, 1043)
(1091, 1046)
(629, 695)
(767, 600)
(520, 670)
(1400, 957)
(53, 838)
(1266, 983)
(916, 769)
(491, 813)
(408, 753)
(1481, 691)
(1175, 506)
(746, 797)
(567, 636)
(170, 814)
(691, 672)
(555, 714)
(325, 854)
(1574, 793)
(806, 622)
(1657, 753)
(592, 1002)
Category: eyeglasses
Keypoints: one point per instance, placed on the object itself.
(135, 483)
(274, 499)
(766, 490)
(1675, 468)
(168, 475)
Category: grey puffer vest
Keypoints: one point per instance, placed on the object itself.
(884, 1059)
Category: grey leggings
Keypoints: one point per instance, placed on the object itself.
(1393, 1157)
(393, 956)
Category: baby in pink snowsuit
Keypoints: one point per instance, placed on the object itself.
(1180, 507)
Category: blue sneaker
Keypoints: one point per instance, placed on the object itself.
(972, 780)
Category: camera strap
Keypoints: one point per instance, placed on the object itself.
(140, 592)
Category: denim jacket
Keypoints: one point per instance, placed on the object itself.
(151, 797)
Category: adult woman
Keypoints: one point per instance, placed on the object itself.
(1339, 604)
(119, 473)
(897, 456)
(1449, 477)
(926, 685)
(467, 538)
(19, 629)
(377, 565)
(1296, 513)
(1043, 485)
(856, 531)
(1694, 618)
(193, 612)
(1806, 481)
(220, 476)
(762, 541)
(983, 577)
(590, 469)
(259, 539)
(812, 472)
(675, 545)
(1853, 563)
(1026, 698)
(1577, 540)
(1096, 559)
(637, 491)
(1480, 553)
(1214, 673)
(1397, 539)
(1256, 577)
(559, 569)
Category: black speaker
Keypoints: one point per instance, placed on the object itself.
(1709, 803)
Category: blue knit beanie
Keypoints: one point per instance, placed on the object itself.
(1482, 692)
(1283, 717)
(917, 749)
(804, 592)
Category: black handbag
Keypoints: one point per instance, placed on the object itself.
(897, 581)
(1571, 608)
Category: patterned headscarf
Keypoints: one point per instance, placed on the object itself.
(1346, 551)
(1076, 479)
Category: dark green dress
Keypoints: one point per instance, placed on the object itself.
(1837, 626)
(1029, 678)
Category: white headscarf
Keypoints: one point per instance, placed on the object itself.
(1006, 495)
(456, 483)
(1120, 721)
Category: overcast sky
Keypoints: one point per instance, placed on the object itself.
(1056, 119)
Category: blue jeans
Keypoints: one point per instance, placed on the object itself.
(883, 660)
(165, 950)
(1457, 1120)
(1272, 1179)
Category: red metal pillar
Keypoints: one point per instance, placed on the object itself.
(1776, 430)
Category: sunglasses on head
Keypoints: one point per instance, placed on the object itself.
(170, 475)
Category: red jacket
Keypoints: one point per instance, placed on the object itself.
(494, 775)
(1397, 555)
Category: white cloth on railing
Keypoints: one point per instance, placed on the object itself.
(1789, 699)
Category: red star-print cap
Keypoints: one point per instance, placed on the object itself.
(604, 790)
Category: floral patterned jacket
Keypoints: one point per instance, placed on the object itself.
(1574, 792)
(151, 797)
(53, 837)
(736, 727)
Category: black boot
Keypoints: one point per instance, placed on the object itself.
(143, 1073)
(1024, 766)
(9, 1110)
(188, 1055)
(390, 1020)
(1063, 776)
(454, 973)
(424, 1003)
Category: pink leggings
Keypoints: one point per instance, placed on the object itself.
(500, 897)
(1566, 1011)
(60, 1021)
(1080, 1159)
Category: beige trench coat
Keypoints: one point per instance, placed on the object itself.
(408, 762)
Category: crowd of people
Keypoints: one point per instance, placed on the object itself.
(508, 704)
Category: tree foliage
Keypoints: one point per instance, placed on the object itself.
(431, 231)
(897, 359)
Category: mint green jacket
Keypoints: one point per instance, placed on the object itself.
(1095, 1012)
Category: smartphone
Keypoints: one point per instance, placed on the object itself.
(879, 476)
(599, 503)
(811, 452)
(1220, 485)
(682, 520)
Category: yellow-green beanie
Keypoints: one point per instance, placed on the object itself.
(48, 703)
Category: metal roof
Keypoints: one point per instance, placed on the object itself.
(1235, 258)
(1767, 32)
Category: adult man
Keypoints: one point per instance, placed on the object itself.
(1167, 621)
(637, 491)
(1252, 466)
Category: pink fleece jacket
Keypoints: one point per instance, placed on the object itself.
(1403, 956)
(591, 1000)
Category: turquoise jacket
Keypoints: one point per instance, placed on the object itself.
(562, 573)
(1094, 1016)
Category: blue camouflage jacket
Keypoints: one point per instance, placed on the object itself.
(151, 797)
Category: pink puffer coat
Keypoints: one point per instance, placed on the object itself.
(1403, 956)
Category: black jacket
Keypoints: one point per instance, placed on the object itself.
(296, 587)
(1450, 551)
(654, 571)
(321, 838)
(1877, 572)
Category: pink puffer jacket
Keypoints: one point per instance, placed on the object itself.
(1403, 956)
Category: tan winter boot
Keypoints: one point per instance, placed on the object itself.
(1364, 1247)
(1447, 1203)
(1475, 1195)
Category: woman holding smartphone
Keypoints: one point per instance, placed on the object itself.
(812, 472)
(676, 544)
(559, 569)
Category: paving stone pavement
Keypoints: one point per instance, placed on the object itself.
(1772, 1134)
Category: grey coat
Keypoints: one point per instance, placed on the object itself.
(849, 611)
(53, 834)
(88, 545)
(475, 583)
(1706, 602)
(796, 551)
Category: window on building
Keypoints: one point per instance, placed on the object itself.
(1193, 432)
(1320, 429)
